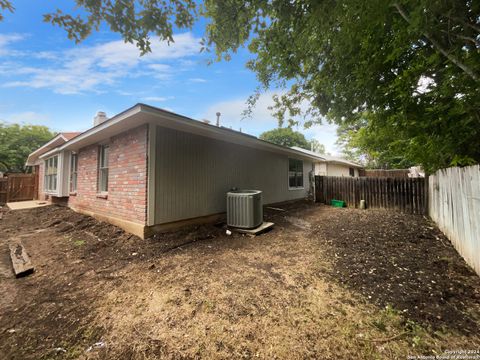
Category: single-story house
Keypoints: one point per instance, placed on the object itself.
(147, 169)
(327, 165)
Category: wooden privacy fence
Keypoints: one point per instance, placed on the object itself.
(454, 204)
(18, 187)
(402, 194)
(3, 190)
(394, 173)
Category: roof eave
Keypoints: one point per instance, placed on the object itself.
(37, 154)
(82, 140)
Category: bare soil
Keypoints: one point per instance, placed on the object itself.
(325, 283)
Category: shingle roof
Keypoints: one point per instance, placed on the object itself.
(329, 158)
(70, 135)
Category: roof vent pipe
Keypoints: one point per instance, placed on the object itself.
(218, 118)
(99, 118)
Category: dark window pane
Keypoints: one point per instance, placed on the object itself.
(291, 165)
(299, 179)
(291, 181)
(295, 174)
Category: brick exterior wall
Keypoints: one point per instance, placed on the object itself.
(127, 178)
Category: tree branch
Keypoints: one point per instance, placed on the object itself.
(462, 37)
(470, 25)
(439, 47)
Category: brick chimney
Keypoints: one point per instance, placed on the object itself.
(99, 118)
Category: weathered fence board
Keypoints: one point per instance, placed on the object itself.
(454, 204)
(401, 194)
(394, 173)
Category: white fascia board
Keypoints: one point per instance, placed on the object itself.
(344, 163)
(50, 153)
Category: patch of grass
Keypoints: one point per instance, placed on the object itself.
(388, 319)
(79, 242)
(392, 322)
(75, 347)
(417, 334)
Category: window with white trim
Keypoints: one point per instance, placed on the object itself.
(295, 174)
(103, 168)
(73, 172)
(51, 171)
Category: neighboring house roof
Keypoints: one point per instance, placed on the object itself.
(59, 139)
(140, 114)
(329, 158)
(69, 135)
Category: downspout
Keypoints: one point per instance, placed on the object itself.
(311, 176)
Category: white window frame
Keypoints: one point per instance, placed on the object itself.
(73, 183)
(296, 174)
(50, 182)
(102, 178)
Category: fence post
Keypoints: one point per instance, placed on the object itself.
(426, 192)
(7, 199)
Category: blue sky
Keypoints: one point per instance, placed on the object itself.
(46, 79)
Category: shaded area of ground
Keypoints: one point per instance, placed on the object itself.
(324, 283)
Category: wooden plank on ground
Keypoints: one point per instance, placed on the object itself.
(262, 228)
(22, 266)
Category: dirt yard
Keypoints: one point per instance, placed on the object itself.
(323, 284)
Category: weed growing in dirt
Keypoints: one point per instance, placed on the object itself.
(388, 319)
(79, 242)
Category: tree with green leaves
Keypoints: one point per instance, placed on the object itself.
(17, 142)
(316, 146)
(374, 147)
(414, 65)
(285, 137)
(136, 21)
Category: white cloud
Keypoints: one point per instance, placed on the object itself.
(159, 67)
(197, 80)
(326, 134)
(157, 98)
(262, 120)
(26, 117)
(92, 68)
(6, 40)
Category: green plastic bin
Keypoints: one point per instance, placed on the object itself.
(338, 203)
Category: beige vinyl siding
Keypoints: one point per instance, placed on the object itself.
(321, 168)
(339, 170)
(193, 174)
(325, 169)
